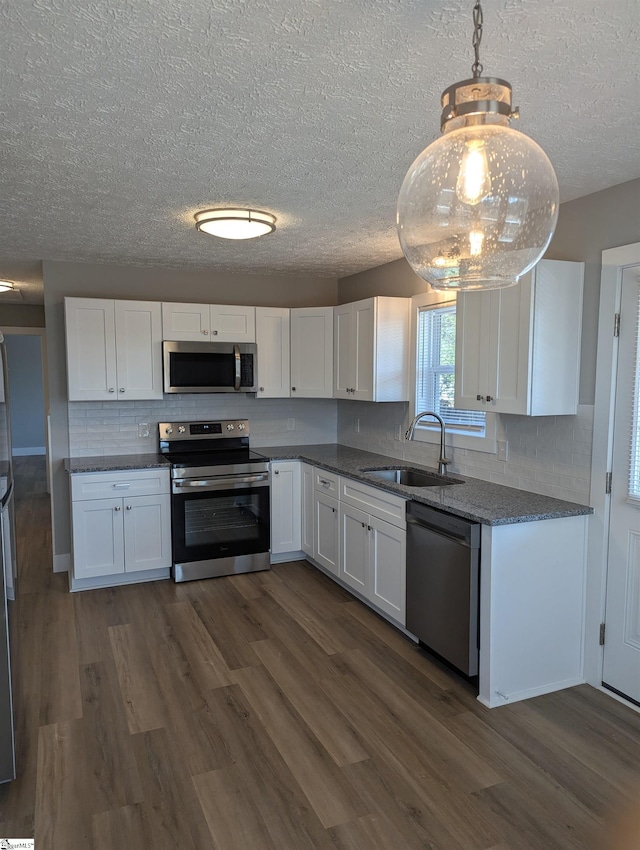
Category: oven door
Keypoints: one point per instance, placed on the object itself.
(220, 526)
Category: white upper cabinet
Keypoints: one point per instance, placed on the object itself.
(312, 352)
(371, 345)
(204, 322)
(518, 349)
(114, 349)
(272, 337)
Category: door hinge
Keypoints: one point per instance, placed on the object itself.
(616, 324)
(603, 627)
(607, 482)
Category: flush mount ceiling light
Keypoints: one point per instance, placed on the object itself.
(235, 223)
(478, 207)
(6, 285)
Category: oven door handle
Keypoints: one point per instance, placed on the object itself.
(199, 483)
(238, 361)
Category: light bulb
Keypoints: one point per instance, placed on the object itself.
(473, 183)
(476, 238)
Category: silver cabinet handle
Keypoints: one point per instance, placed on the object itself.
(324, 482)
(238, 362)
(121, 389)
(293, 389)
(128, 507)
(215, 333)
(118, 508)
(479, 398)
(490, 398)
(112, 389)
(363, 525)
(276, 472)
(206, 333)
(261, 389)
(123, 486)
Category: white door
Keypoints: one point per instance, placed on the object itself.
(272, 337)
(312, 352)
(343, 351)
(230, 323)
(147, 532)
(91, 349)
(286, 508)
(388, 567)
(622, 644)
(98, 541)
(186, 322)
(326, 551)
(364, 322)
(138, 349)
(354, 548)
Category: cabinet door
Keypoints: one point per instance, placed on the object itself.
(98, 538)
(387, 555)
(509, 383)
(91, 349)
(286, 519)
(363, 349)
(326, 548)
(147, 532)
(477, 323)
(230, 323)
(312, 352)
(306, 483)
(343, 380)
(354, 549)
(186, 322)
(272, 335)
(138, 349)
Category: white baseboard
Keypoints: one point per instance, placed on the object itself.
(62, 563)
(30, 450)
(518, 696)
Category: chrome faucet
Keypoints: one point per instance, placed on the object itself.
(442, 460)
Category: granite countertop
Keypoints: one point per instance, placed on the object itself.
(115, 462)
(477, 500)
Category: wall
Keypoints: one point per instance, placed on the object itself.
(24, 359)
(157, 284)
(21, 315)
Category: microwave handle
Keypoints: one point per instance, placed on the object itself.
(236, 354)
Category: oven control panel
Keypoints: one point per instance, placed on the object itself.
(223, 429)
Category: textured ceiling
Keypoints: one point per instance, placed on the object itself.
(118, 120)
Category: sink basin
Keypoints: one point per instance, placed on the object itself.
(412, 477)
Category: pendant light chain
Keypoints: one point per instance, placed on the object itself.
(477, 68)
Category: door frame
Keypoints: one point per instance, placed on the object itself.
(614, 262)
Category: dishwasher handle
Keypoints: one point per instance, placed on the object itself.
(462, 531)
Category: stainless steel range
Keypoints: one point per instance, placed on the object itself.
(219, 499)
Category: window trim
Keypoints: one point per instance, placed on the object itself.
(426, 433)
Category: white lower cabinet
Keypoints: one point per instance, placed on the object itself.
(122, 532)
(326, 550)
(286, 508)
(373, 560)
(306, 492)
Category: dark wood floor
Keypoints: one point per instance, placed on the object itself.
(274, 711)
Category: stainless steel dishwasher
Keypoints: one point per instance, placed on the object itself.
(443, 572)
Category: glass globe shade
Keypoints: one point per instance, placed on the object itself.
(477, 208)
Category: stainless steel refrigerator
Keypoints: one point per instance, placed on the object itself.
(7, 577)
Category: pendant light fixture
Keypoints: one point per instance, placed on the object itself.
(478, 207)
(235, 223)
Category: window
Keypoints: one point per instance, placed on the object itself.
(434, 345)
(435, 377)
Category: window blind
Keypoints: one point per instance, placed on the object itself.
(435, 369)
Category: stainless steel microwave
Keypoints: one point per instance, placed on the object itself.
(210, 367)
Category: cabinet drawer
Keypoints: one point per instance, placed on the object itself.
(326, 482)
(106, 485)
(378, 503)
